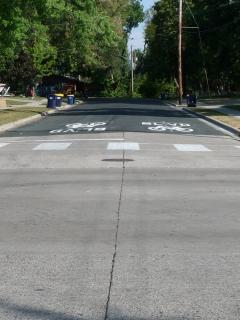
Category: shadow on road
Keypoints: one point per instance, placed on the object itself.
(138, 101)
(123, 107)
(27, 312)
(126, 111)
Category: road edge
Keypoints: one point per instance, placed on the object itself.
(35, 118)
(214, 121)
(218, 123)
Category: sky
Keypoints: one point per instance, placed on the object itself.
(138, 33)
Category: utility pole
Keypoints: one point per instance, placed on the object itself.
(180, 80)
(132, 67)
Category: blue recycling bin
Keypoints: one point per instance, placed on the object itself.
(191, 100)
(51, 101)
(163, 96)
(58, 101)
(70, 99)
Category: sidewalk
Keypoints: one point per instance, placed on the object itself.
(19, 102)
(16, 102)
(221, 105)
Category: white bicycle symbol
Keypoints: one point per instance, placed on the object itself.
(164, 126)
(85, 125)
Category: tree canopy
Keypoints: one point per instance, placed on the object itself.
(67, 37)
(211, 48)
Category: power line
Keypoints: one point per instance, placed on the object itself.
(223, 26)
(223, 6)
(209, 11)
(201, 47)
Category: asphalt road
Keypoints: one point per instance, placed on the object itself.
(127, 224)
(122, 115)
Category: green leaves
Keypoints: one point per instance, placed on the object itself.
(73, 37)
(135, 15)
(215, 49)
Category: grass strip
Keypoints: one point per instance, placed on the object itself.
(217, 115)
(15, 102)
(10, 115)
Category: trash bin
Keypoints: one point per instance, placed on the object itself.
(58, 101)
(162, 95)
(51, 101)
(70, 99)
(191, 100)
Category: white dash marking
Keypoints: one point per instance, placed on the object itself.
(123, 146)
(191, 147)
(3, 144)
(52, 146)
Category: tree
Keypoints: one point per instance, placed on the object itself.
(24, 42)
(66, 37)
(160, 62)
(213, 47)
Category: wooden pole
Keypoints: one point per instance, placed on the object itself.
(180, 52)
(132, 80)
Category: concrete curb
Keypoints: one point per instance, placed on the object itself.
(218, 123)
(19, 123)
(214, 121)
(32, 119)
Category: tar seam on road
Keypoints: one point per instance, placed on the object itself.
(116, 239)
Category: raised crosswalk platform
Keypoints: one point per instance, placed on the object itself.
(113, 146)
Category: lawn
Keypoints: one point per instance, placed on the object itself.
(15, 102)
(212, 113)
(14, 114)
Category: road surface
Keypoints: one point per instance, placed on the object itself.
(136, 220)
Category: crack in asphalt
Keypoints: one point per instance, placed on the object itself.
(116, 238)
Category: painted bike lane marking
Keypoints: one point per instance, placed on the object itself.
(79, 127)
(163, 126)
(101, 127)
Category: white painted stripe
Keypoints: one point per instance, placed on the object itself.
(3, 145)
(123, 146)
(61, 140)
(191, 147)
(52, 146)
(238, 147)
